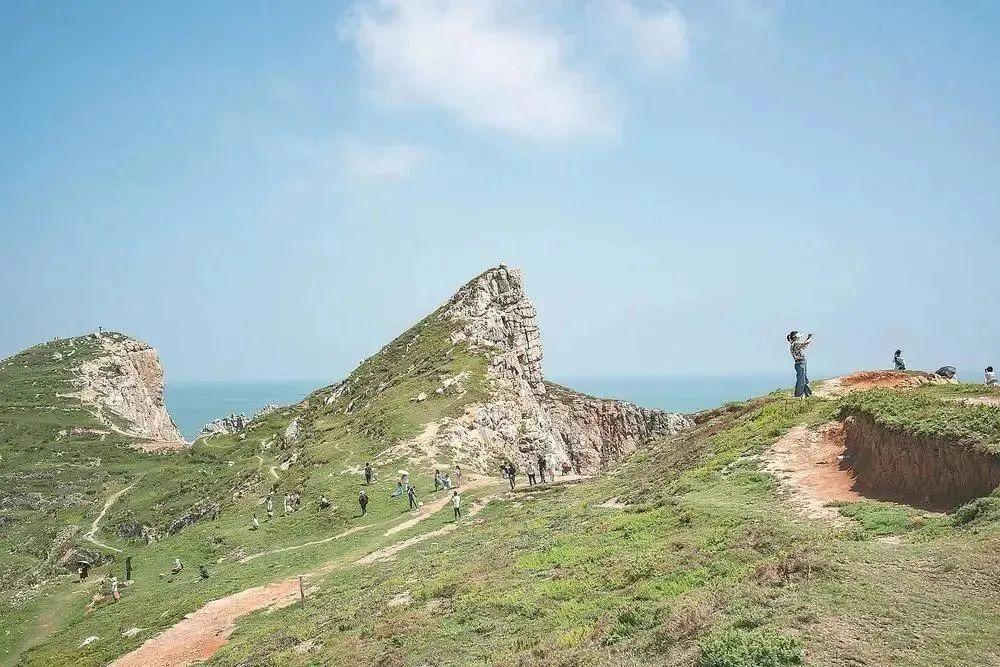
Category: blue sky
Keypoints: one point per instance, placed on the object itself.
(273, 190)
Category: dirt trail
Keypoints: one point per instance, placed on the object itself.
(389, 552)
(349, 531)
(471, 482)
(95, 526)
(200, 634)
(809, 462)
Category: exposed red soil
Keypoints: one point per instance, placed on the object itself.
(810, 462)
(846, 384)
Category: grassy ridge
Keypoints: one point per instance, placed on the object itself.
(932, 415)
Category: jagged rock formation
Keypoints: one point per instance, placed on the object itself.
(234, 423)
(123, 387)
(524, 417)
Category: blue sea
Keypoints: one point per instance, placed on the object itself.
(193, 405)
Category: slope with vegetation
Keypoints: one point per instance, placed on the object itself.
(686, 549)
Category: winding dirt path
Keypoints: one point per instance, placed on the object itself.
(95, 526)
(199, 635)
(809, 463)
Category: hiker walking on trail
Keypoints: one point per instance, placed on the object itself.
(797, 346)
(897, 361)
(458, 476)
(456, 503)
(128, 568)
(411, 495)
(368, 473)
(511, 475)
(363, 502)
(991, 377)
(530, 470)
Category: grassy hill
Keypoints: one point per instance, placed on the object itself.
(689, 553)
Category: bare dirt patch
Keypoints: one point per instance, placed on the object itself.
(202, 633)
(810, 463)
(846, 384)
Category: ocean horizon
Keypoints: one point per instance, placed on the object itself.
(193, 404)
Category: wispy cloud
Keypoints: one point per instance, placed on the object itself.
(655, 38)
(491, 63)
(370, 161)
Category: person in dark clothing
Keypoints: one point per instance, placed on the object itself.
(368, 473)
(541, 468)
(203, 571)
(511, 475)
(84, 570)
(411, 495)
(128, 568)
(363, 502)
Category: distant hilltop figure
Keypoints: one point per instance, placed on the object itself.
(897, 361)
(797, 344)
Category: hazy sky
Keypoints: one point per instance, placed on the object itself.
(273, 190)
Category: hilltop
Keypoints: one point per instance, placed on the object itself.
(858, 528)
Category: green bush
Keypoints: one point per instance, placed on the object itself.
(750, 648)
(980, 509)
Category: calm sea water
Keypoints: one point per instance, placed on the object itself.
(193, 405)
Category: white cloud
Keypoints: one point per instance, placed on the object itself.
(656, 38)
(379, 162)
(492, 63)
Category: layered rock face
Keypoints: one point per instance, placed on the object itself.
(123, 384)
(526, 418)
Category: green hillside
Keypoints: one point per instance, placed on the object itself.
(688, 554)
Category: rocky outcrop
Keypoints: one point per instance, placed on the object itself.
(123, 386)
(234, 423)
(525, 418)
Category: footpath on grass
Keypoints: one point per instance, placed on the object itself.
(199, 635)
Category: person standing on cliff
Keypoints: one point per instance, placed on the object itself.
(797, 346)
(897, 361)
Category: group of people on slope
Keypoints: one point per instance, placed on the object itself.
(798, 344)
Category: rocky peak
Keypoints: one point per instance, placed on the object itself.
(122, 383)
(497, 317)
(525, 419)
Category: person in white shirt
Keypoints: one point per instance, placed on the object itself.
(456, 503)
(991, 377)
